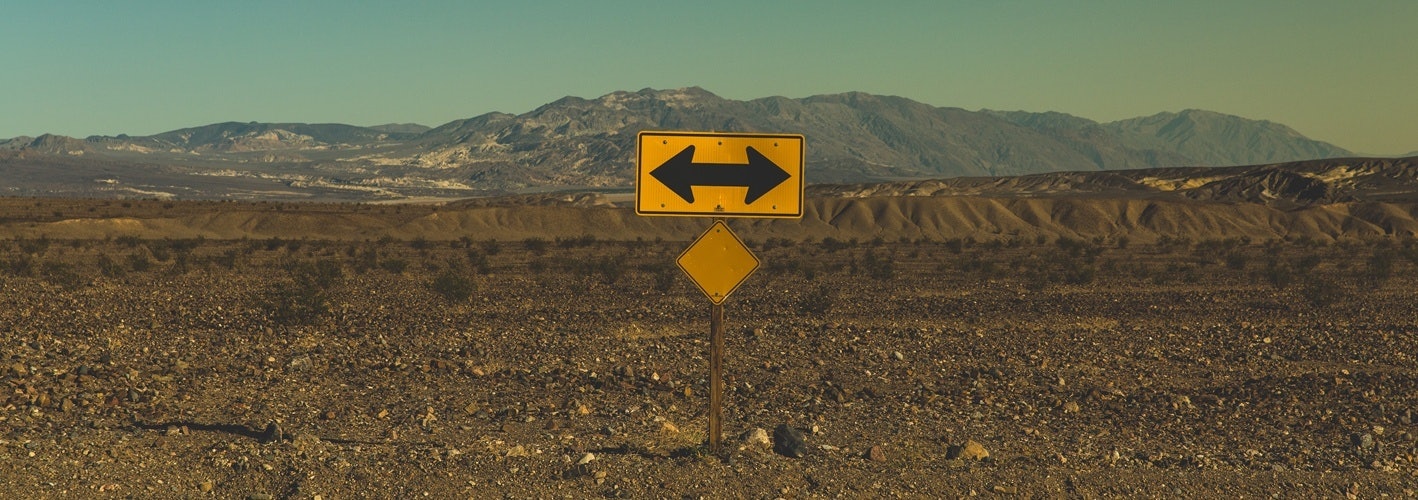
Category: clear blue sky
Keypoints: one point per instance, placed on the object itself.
(1340, 71)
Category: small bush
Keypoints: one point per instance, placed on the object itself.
(160, 252)
(535, 245)
(880, 269)
(818, 302)
(22, 265)
(227, 259)
(109, 267)
(62, 275)
(480, 262)
(395, 266)
(1322, 293)
(35, 246)
(1379, 267)
(139, 263)
(453, 286)
(1236, 261)
(1279, 275)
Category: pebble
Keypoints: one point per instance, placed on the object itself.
(1070, 407)
(789, 442)
(876, 454)
(586, 459)
(757, 436)
(898, 356)
(207, 486)
(272, 433)
(971, 450)
(517, 451)
(1364, 442)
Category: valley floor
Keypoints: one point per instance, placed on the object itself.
(161, 368)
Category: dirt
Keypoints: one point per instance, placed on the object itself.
(153, 368)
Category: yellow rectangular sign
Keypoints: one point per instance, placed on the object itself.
(719, 174)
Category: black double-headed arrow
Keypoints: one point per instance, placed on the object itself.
(760, 175)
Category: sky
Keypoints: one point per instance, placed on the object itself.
(1338, 71)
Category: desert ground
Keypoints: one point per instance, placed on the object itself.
(206, 349)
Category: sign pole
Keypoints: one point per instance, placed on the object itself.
(716, 372)
(716, 377)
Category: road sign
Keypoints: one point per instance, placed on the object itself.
(719, 174)
(717, 262)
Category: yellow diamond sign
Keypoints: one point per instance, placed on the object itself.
(717, 262)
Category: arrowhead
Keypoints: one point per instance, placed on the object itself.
(677, 173)
(763, 175)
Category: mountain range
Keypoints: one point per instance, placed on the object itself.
(576, 143)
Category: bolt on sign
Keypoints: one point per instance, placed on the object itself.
(692, 174)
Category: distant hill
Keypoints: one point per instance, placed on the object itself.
(1208, 138)
(578, 143)
(401, 128)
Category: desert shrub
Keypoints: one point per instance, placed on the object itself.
(664, 276)
(227, 259)
(453, 286)
(291, 305)
(776, 242)
(109, 267)
(1278, 274)
(395, 266)
(128, 241)
(1080, 275)
(881, 269)
(33, 247)
(305, 298)
(610, 268)
(1236, 260)
(1307, 263)
(479, 261)
(955, 245)
(582, 241)
(1123, 242)
(978, 264)
(274, 243)
(535, 245)
(832, 244)
(1379, 268)
(181, 264)
(22, 265)
(1320, 292)
(420, 243)
(779, 267)
(492, 247)
(138, 262)
(62, 275)
(160, 252)
(818, 302)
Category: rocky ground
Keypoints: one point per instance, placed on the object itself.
(578, 368)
